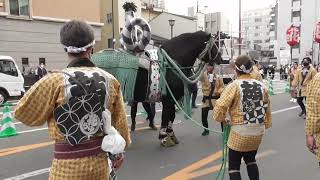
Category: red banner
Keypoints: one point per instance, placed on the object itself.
(317, 33)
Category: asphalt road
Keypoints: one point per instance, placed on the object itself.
(283, 155)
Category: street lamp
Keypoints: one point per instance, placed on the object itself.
(171, 23)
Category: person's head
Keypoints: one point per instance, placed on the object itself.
(42, 65)
(210, 68)
(78, 39)
(295, 65)
(306, 61)
(243, 65)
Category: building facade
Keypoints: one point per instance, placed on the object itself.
(199, 14)
(215, 22)
(29, 29)
(183, 24)
(256, 28)
(303, 14)
(113, 17)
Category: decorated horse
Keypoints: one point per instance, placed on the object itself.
(163, 79)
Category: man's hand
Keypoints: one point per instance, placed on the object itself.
(117, 163)
(311, 143)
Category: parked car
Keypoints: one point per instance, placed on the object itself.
(11, 79)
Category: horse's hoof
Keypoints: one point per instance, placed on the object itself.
(153, 127)
(133, 127)
(167, 142)
(175, 139)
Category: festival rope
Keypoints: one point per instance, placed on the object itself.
(225, 133)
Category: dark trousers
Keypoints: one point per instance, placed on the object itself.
(301, 104)
(204, 117)
(150, 108)
(235, 162)
(194, 97)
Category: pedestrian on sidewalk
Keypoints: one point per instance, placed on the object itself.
(41, 71)
(282, 72)
(247, 101)
(81, 86)
(312, 126)
(286, 72)
(301, 80)
(212, 87)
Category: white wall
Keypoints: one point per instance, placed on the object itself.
(160, 25)
(34, 40)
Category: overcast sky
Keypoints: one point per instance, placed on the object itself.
(228, 7)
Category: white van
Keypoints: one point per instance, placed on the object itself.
(11, 79)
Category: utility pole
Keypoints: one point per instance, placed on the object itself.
(113, 41)
(197, 6)
(240, 41)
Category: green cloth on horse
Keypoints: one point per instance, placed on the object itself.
(122, 66)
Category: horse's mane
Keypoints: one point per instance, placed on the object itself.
(186, 47)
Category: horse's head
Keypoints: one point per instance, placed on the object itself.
(211, 49)
(187, 47)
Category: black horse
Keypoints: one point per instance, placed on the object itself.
(184, 49)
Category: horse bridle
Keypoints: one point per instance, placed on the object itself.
(209, 45)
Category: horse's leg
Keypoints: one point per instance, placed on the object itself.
(134, 107)
(168, 114)
(151, 114)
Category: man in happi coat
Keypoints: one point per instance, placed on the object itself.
(248, 104)
(212, 86)
(312, 126)
(84, 160)
(302, 78)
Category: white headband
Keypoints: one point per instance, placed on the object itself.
(244, 69)
(76, 50)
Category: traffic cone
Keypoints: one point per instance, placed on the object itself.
(7, 128)
(271, 93)
(287, 88)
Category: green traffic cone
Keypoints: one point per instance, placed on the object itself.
(271, 93)
(287, 88)
(7, 128)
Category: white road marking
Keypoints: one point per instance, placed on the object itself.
(32, 130)
(286, 109)
(29, 174)
(139, 114)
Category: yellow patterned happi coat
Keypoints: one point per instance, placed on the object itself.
(206, 88)
(300, 83)
(38, 104)
(231, 101)
(313, 110)
(255, 74)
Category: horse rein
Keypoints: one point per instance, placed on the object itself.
(210, 43)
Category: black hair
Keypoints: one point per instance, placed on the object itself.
(243, 60)
(307, 58)
(76, 33)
